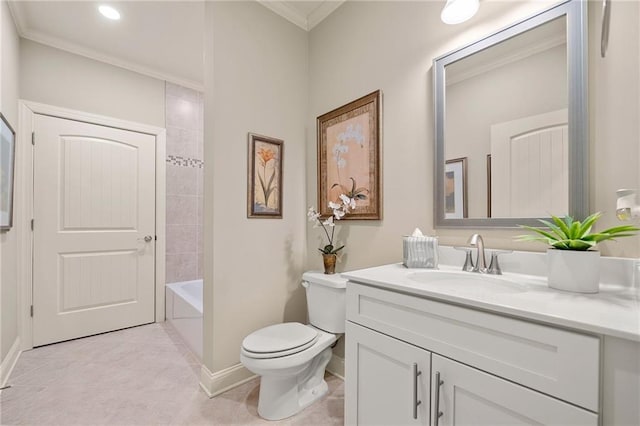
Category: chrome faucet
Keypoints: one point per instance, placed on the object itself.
(481, 264)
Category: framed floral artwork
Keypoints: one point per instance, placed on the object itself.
(455, 189)
(349, 140)
(7, 160)
(264, 192)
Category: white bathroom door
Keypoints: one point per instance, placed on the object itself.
(94, 229)
(530, 166)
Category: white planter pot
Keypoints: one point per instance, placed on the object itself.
(577, 271)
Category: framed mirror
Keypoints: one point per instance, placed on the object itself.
(514, 106)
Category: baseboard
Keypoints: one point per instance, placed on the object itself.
(221, 381)
(336, 366)
(7, 364)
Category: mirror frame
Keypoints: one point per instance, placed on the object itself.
(577, 83)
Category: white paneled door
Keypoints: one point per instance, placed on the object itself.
(94, 229)
(530, 164)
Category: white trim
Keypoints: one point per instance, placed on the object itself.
(516, 56)
(324, 10)
(25, 32)
(24, 208)
(9, 362)
(18, 16)
(294, 16)
(287, 12)
(221, 381)
(161, 217)
(336, 366)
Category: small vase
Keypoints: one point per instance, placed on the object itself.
(576, 271)
(329, 263)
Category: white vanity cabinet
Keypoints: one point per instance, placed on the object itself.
(393, 380)
(468, 396)
(495, 369)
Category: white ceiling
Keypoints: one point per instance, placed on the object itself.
(162, 39)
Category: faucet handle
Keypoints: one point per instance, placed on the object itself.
(494, 266)
(468, 261)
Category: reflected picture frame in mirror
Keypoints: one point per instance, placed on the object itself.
(575, 14)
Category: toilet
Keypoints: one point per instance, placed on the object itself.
(291, 357)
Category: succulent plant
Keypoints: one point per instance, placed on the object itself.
(571, 234)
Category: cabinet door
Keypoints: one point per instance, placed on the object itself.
(467, 396)
(387, 380)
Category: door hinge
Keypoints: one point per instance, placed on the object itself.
(31, 311)
(32, 221)
(33, 138)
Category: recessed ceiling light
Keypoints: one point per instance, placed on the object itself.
(109, 12)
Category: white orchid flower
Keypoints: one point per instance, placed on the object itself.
(338, 213)
(312, 214)
(349, 203)
(329, 222)
(334, 206)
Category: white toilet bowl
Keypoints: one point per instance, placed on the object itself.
(292, 357)
(292, 378)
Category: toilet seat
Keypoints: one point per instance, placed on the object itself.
(279, 340)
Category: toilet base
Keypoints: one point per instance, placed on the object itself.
(282, 397)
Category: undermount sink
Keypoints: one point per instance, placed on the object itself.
(469, 280)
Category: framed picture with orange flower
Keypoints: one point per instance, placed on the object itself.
(264, 192)
(349, 157)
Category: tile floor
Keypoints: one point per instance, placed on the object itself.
(139, 376)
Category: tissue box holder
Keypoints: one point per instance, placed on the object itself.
(420, 252)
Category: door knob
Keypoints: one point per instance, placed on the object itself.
(148, 239)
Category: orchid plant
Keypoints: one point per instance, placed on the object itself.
(339, 211)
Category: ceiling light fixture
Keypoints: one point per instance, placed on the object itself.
(458, 11)
(109, 12)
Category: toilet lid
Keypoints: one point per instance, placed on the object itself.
(280, 338)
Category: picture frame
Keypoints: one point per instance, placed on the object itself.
(7, 166)
(264, 178)
(488, 185)
(455, 193)
(349, 144)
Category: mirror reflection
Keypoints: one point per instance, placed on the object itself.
(506, 128)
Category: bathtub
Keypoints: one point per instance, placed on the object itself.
(183, 305)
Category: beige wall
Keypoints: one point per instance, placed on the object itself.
(364, 46)
(9, 78)
(614, 106)
(256, 81)
(55, 77)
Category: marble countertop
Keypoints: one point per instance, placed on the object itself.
(614, 311)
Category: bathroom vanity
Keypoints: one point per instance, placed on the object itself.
(446, 347)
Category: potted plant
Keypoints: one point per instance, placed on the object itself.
(329, 251)
(572, 263)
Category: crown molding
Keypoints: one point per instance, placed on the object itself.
(539, 47)
(324, 10)
(18, 16)
(25, 32)
(294, 16)
(286, 12)
(111, 60)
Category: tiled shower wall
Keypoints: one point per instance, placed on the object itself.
(184, 121)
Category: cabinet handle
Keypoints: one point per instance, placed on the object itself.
(437, 404)
(416, 373)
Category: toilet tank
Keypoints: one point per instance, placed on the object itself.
(326, 300)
